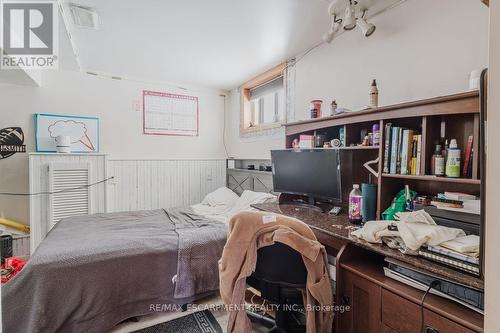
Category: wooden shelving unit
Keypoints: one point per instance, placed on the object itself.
(435, 179)
(460, 113)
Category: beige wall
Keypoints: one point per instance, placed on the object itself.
(492, 269)
(73, 93)
(422, 48)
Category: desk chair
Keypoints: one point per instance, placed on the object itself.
(279, 275)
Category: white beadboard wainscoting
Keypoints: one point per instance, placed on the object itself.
(151, 184)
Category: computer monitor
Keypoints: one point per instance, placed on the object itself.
(314, 173)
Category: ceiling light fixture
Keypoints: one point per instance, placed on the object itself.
(350, 20)
(366, 28)
(334, 28)
(350, 16)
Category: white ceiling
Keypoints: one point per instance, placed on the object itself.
(212, 43)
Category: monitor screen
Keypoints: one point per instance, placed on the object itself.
(311, 172)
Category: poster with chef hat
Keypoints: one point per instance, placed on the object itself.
(83, 132)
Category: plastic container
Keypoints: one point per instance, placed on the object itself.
(316, 104)
(376, 134)
(355, 205)
(453, 160)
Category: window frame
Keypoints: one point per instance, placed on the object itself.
(245, 105)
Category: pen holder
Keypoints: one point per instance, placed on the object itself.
(369, 208)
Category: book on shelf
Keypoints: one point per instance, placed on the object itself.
(419, 155)
(449, 261)
(467, 157)
(387, 147)
(394, 149)
(402, 150)
(453, 254)
(413, 160)
(406, 151)
(399, 144)
(457, 196)
(471, 158)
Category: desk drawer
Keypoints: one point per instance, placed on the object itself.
(400, 314)
(435, 323)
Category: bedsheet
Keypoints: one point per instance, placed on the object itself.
(92, 272)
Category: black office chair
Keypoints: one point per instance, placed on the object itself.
(279, 275)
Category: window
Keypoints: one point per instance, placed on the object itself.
(263, 101)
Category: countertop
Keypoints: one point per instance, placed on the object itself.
(340, 228)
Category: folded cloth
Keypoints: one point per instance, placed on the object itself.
(414, 228)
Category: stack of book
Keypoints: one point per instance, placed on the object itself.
(461, 253)
(457, 201)
(402, 150)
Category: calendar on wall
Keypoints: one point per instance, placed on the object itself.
(170, 114)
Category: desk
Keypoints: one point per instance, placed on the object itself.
(360, 272)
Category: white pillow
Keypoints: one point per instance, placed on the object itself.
(248, 198)
(220, 197)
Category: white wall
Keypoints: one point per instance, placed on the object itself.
(422, 48)
(492, 269)
(73, 93)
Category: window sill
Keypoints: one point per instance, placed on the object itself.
(260, 128)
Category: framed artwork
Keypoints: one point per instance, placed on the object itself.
(83, 131)
(170, 114)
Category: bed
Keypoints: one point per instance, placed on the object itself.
(92, 272)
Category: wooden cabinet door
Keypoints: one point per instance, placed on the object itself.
(364, 299)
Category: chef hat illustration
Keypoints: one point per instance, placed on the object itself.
(74, 129)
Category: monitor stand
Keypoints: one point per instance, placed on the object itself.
(302, 201)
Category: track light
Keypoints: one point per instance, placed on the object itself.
(335, 27)
(367, 28)
(350, 16)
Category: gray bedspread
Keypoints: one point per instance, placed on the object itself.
(91, 272)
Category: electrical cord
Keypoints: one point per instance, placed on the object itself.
(433, 285)
(56, 192)
(224, 126)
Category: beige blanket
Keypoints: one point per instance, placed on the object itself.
(415, 229)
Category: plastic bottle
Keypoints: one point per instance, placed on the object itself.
(376, 134)
(453, 160)
(374, 95)
(437, 162)
(355, 205)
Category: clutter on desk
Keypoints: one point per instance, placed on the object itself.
(461, 253)
(355, 205)
(414, 230)
(399, 203)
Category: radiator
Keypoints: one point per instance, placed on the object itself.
(71, 203)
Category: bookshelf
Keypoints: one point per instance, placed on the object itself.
(460, 114)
